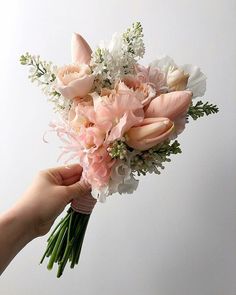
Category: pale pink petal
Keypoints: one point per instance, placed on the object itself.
(76, 88)
(125, 123)
(151, 132)
(170, 105)
(80, 50)
(150, 142)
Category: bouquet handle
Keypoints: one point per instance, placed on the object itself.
(66, 240)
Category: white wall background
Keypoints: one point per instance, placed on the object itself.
(177, 234)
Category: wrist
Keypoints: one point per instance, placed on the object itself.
(15, 234)
(19, 224)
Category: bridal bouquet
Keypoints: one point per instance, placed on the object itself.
(118, 120)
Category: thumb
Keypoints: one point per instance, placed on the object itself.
(82, 200)
(79, 190)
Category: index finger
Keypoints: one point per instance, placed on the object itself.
(68, 171)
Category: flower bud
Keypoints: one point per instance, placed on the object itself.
(80, 50)
(151, 132)
(173, 105)
(170, 105)
(177, 80)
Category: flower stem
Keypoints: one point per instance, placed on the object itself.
(57, 247)
(66, 240)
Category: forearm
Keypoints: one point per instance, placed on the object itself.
(14, 235)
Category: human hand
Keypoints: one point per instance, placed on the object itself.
(35, 212)
(47, 197)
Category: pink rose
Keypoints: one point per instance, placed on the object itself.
(144, 92)
(153, 76)
(74, 81)
(173, 105)
(151, 132)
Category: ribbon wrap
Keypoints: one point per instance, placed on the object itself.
(84, 202)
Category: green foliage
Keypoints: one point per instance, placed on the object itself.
(118, 150)
(200, 109)
(151, 160)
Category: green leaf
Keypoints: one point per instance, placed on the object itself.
(200, 109)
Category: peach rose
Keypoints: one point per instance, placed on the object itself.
(144, 92)
(151, 132)
(153, 76)
(74, 81)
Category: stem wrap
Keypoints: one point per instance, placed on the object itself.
(84, 205)
(84, 202)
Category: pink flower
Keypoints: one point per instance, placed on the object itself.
(92, 137)
(80, 50)
(74, 81)
(98, 168)
(144, 92)
(115, 111)
(75, 117)
(152, 75)
(173, 105)
(120, 111)
(151, 132)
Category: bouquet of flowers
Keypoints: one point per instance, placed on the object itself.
(118, 119)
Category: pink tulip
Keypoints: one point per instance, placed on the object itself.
(173, 105)
(170, 105)
(80, 50)
(151, 132)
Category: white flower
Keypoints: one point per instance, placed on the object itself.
(111, 62)
(100, 194)
(115, 45)
(196, 81)
(164, 64)
(122, 180)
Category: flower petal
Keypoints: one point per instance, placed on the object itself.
(80, 50)
(170, 105)
(196, 81)
(76, 88)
